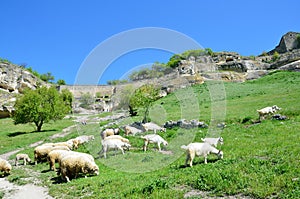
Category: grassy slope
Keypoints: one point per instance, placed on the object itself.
(260, 161)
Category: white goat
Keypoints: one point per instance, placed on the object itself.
(113, 144)
(153, 138)
(150, 126)
(213, 141)
(132, 130)
(267, 110)
(199, 149)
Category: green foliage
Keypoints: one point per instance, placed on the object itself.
(61, 82)
(174, 61)
(143, 98)
(68, 98)
(39, 106)
(298, 40)
(5, 61)
(124, 96)
(47, 77)
(116, 82)
(86, 100)
(275, 56)
(157, 70)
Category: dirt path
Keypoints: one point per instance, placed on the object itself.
(28, 191)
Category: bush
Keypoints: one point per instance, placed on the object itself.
(275, 56)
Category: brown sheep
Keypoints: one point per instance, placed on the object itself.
(72, 165)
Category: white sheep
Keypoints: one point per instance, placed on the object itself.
(41, 152)
(73, 142)
(150, 126)
(199, 149)
(85, 139)
(132, 130)
(70, 146)
(72, 165)
(153, 138)
(22, 156)
(108, 132)
(113, 144)
(5, 167)
(213, 141)
(267, 110)
(57, 155)
(117, 137)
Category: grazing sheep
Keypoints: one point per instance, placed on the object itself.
(5, 167)
(41, 152)
(199, 149)
(117, 137)
(70, 146)
(113, 144)
(109, 132)
(213, 141)
(74, 143)
(85, 139)
(153, 138)
(22, 156)
(150, 126)
(57, 155)
(132, 130)
(72, 165)
(267, 110)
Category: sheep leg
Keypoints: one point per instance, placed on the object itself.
(16, 164)
(192, 156)
(121, 150)
(145, 145)
(25, 162)
(158, 144)
(205, 159)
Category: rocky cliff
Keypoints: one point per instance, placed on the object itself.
(13, 80)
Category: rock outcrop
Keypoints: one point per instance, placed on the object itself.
(13, 80)
(288, 42)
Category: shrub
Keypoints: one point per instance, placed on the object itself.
(275, 56)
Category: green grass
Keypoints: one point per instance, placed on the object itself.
(260, 161)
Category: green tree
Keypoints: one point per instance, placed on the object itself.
(39, 106)
(67, 97)
(61, 82)
(86, 100)
(143, 97)
(47, 77)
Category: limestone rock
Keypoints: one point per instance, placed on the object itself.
(288, 42)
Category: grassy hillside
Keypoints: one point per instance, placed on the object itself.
(260, 160)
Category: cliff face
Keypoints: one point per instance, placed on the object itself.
(13, 80)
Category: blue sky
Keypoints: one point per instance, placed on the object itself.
(57, 36)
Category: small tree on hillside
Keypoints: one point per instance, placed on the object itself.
(39, 106)
(143, 97)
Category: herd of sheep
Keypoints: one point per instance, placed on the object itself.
(72, 163)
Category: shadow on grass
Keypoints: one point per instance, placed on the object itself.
(199, 162)
(22, 133)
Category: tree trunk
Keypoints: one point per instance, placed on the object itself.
(145, 120)
(39, 125)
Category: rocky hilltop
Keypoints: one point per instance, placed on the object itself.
(13, 80)
(194, 69)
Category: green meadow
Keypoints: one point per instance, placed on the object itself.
(261, 160)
